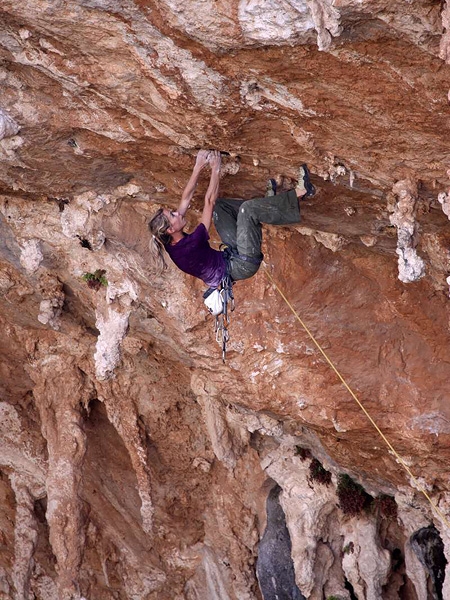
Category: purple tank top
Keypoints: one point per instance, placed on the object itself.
(194, 256)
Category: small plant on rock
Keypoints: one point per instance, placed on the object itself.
(353, 499)
(96, 279)
(386, 507)
(302, 453)
(349, 548)
(318, 473)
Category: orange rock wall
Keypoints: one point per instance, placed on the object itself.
(133, 463)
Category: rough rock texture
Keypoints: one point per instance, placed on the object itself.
(133, 463)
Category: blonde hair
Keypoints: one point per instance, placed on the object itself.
(158, 225)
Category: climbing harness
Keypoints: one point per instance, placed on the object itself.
(220, 300)
(400, 460)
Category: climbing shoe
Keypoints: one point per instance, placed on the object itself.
(271, 189)
(305, 181)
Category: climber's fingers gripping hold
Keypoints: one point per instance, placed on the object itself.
(215, 160)
(202, 158)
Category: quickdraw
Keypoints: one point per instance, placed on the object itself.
(222, 321)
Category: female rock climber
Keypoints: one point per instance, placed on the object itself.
(238, 223)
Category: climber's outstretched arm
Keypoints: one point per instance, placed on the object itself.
(200, 163)
(213, 188)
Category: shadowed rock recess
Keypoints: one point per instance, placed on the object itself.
(134, 464)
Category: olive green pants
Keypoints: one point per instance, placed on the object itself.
(238, 223)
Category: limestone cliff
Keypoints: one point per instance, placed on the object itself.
(133, 463)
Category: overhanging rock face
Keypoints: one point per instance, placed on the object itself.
(133, 463)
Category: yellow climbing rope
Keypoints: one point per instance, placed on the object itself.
(354, 396)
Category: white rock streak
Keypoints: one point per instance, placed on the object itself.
(31, 256)
(8, 127)
(444, 48)
(444, 507)
(75, 219)
(444, 199)
(326, 21)
(273, 22)
(112, 322)
(113, 327)
(410, 266)
(50, 311)
(368, 565)
(52, 302)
